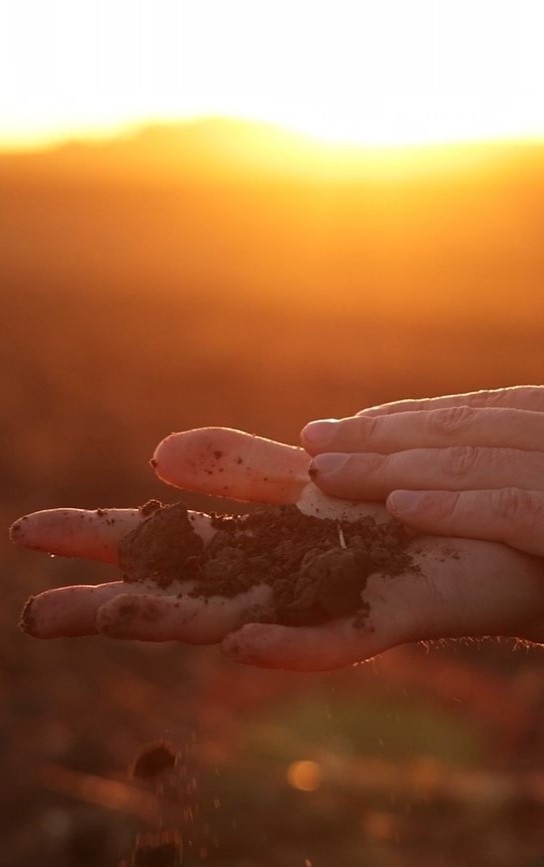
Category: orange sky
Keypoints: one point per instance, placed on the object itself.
(367, 71)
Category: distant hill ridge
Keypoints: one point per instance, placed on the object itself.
(231, 149)
(250, 211)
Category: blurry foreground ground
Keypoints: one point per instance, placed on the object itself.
(416, 759)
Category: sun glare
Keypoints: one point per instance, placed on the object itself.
(372, 72)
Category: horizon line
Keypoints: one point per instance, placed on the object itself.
(132, 130)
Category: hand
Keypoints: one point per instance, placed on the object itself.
(467, 465)
(483, 589)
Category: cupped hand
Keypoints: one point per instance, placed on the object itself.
(467, 465)
(462, 587)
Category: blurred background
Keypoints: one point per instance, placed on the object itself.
(255, 214)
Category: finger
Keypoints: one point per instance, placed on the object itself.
(313, 501)
(511, 515)
(462, 588)
(191, 619)
(67, 611)
(436, 428)
(235, 457)
(76, 532)
(529, 397)
(373, 476)
(303, 648)
(231, 463)
(94, 535)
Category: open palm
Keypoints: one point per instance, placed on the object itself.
(462, 587)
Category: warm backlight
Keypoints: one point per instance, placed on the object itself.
(372, 72)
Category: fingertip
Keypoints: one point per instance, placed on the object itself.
(318, 435)
(93, 534)
(16, 532)
(232, 463)
(329, 471)
(194, 459)
(27, 620)
(404, 504)
(66, 612)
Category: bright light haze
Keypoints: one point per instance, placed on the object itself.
(373, 72)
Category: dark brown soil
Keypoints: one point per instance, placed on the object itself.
(317, 568)
(162, 849)
(153, 761)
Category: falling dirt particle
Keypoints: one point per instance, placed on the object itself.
(154, 760)
(162, 849)
(153, 462)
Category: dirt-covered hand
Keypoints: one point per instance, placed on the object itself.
(467, 465)
(216, 461)
(456, 587)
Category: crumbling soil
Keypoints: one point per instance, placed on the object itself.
(316, 568)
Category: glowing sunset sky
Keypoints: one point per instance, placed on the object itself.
(367, 71)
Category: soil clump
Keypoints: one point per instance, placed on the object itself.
(153, 761)
(316, 568)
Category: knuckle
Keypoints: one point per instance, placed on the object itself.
(375, 462)
(450, 420)
(515, 504)
(365, 428)
(448, 505)
(460, 460)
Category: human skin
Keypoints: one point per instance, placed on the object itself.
(462, 587)
(467, 465)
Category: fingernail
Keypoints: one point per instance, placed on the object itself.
(406, 501)
(331, 462)
(320, 433)
(27, 623)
